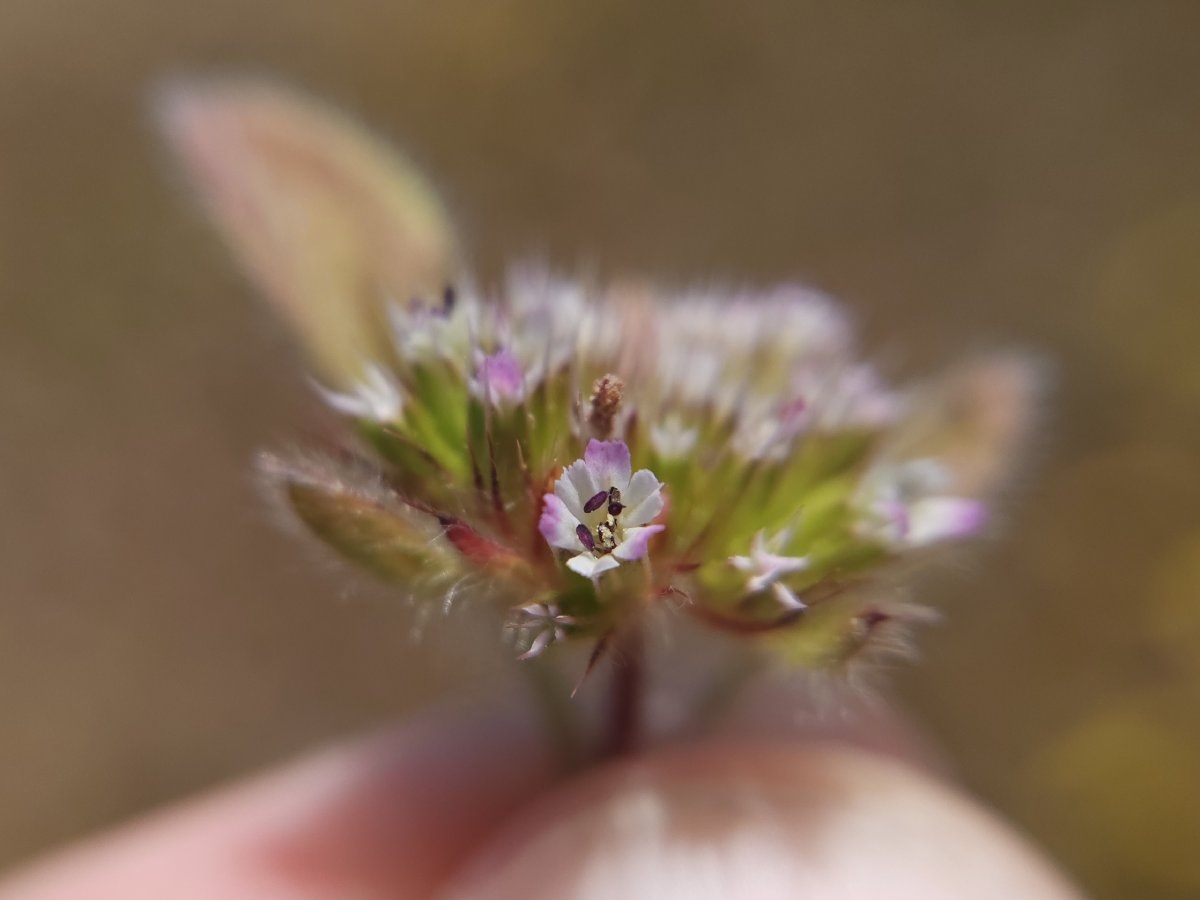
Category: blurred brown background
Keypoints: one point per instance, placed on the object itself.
(963, 174)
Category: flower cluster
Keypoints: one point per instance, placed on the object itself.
(580, 452)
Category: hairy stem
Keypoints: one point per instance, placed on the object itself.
(558, 713)
(723, 691)
(626, 694)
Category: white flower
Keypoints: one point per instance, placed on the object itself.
(767, 568)
(852, 397)
(550, 322)
(546, 624)
(672, 439)
(600, 510)
(905, 506)
(376, 397)
(499, 379)
(424, 330)
(766, 432)
(713, 350)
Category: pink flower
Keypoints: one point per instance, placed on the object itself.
(905, 506)
(600, 510)
(499, 379)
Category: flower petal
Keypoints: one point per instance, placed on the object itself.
(591, 566)
(376, 397)
(641, 485)
(543, 640)
(635, 540)
(643, 499)
(557, 525)
(609, 463)
(500, 378)
(575, 486)
(943, 518)
(786, 597)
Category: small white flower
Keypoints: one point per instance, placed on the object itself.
(672, 439)
(544, 623)
(766, 432)
(425, 330)
(376, 397)
(904, 505)
(600, 510)
(767, 568)
(847, 396)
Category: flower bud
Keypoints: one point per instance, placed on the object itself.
(362, 519)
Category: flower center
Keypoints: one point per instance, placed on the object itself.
(603, 540)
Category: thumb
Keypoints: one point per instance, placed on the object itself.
(759, 821)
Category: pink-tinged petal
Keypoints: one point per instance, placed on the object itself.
(575, 486)
(609, 463)
(500, 378)
(557, 525)
(944, 518)
(590, 566)
(897, 519)
(636, 539)
(646, 507)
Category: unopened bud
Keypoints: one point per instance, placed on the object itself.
(604, 406)
(364, 522)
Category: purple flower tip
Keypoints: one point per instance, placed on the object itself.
(500, 377)
(609, 462)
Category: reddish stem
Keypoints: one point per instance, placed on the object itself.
(625, 699)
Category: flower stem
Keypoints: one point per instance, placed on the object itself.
(723, 692)
(626, 693)
(558, 714)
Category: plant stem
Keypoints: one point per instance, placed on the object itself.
(723, 691)
(558, 714)
(625, 698)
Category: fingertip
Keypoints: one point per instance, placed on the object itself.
(385, 816)
(759, 821)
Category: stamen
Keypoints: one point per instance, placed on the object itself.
(595, 502)
(606, 536)
(614, 502)
(585, 537)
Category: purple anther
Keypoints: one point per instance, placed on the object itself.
(595, 502)
(585, 537)
(615, 507)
